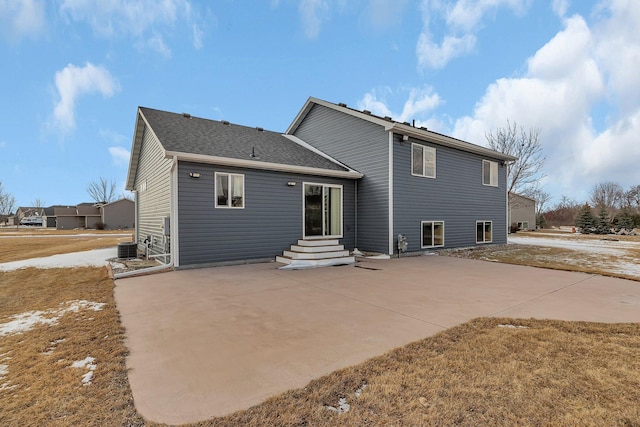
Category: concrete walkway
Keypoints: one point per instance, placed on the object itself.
(212, 341)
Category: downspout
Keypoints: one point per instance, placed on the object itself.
(174, 247)
(355, 243)
(390, 193)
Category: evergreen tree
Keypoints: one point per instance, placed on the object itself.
(541, 221)
(625, 221)
(603, 225)
(584, 220)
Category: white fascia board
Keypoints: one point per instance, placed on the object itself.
(136, 146)
(355, 113)
(256, 164)
(447, 141)
(318, 152)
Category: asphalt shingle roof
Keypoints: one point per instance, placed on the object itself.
(187, 134)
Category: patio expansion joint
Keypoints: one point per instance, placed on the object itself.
(380, 306)
(562, 288)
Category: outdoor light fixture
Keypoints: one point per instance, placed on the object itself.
(194, 175)
(291, 183)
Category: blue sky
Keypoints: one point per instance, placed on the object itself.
(74, 71)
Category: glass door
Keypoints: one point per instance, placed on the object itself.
(322, 210)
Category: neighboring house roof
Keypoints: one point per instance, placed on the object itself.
(65, 211)
(124, 199)
(516, 195)
(220, 142)
(400, 128)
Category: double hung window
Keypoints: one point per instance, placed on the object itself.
(229, 191)
(423, 161)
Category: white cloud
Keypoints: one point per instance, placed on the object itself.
(579, 69)
(433, 55)
(462, 20)
(312, 13)
(73, 82)
(560, 7)
(145, 20)
(420, 103)
(21, 18)
(120, 156)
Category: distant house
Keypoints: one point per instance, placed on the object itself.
(118, 215)
(211, 192)
(31, 216)
(6, 220)
(115, 215)
(522, 212)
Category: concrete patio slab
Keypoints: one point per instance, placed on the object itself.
(208, 342)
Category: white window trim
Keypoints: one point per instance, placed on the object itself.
(483, 225)
(424, 151)
(490, 163)
(523, 225)
(332, 236)
(432, 234)
(229, 201)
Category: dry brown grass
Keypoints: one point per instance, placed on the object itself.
(25, 246)
(40, 386)
(538, 373)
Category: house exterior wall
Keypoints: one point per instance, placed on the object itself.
(456, 196)
(119, 214)
(271, 220)
(68, 222)
(362, 146)
(522, 209)
(153, 194)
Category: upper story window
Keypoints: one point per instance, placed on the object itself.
(423, 161)
(490, 173)
(229, 191)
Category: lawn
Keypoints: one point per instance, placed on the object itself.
(62, 363)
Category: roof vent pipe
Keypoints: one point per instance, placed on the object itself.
(413, 123)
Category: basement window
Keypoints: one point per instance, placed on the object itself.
(484, 233)
(229, 190)
(432, 234)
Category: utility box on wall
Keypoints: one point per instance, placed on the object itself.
(166, 226)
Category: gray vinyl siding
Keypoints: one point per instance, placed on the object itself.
(456, 196)
(154, 203)
(270, 222)
(362, 146)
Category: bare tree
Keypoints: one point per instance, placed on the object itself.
(7, 202)
(540, 196)
(127, 195)
(37, 203)
(607, 194)
(103, 191)
(631, 198)
(525, 173)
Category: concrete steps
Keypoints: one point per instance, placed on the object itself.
(315, 253)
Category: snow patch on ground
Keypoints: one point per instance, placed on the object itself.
(24, 322)
(342, 405)
(93, 258)
(626, 263)
(86, 363)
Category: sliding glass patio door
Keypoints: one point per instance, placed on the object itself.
(322, 210)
